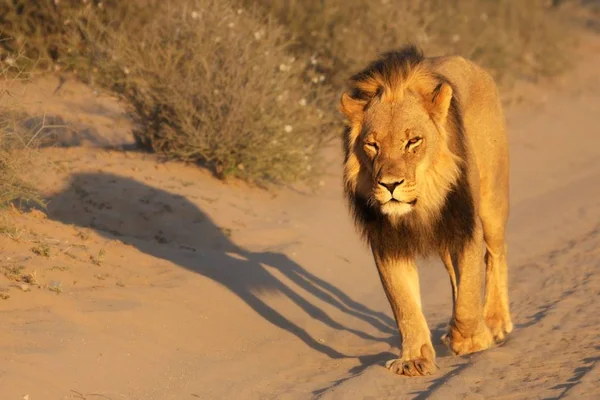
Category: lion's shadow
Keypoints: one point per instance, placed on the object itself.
(169, 226)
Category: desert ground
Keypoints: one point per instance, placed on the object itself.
(146, 279)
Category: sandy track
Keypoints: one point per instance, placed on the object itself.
(176, 286)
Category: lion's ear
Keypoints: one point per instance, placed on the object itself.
(440, 102)
(352, 108)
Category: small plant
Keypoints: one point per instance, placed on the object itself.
(12, 272)
(9, 229)
(70, 255)
(55, 287)
(97, 260)
(12, 231)
(15, 273)
(83, 235)
(42, 250)
(227, 232)
(61, 268)
(30, 278)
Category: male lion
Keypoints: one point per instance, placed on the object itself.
(426, 171)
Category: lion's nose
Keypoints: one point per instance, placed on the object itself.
(391, 185)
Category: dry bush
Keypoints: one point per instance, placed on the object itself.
(85, 44)
(37, 27)
(513, 39)
(17, 144)
(205, 82)
(212, 84)
(43, 29)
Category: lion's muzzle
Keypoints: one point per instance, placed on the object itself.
(395, 190)
(395, 197)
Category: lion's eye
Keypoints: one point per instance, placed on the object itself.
(414, 142)
(372, 146)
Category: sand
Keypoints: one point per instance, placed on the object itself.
(154, 280)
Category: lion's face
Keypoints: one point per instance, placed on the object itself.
(398, 156)
(395, 147)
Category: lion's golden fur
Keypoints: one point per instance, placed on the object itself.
(426, 172)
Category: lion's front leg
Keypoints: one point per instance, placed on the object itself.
(401, 284)
(468, 332)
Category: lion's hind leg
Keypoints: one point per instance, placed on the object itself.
(496, 307)
(468, 332)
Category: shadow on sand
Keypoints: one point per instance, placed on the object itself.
(170, 227)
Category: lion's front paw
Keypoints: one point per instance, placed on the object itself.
(418, 366)
(499, 325)
(480, 339)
